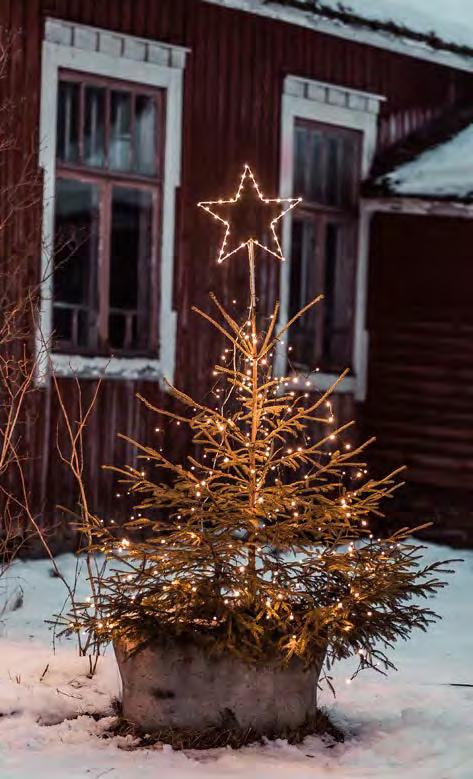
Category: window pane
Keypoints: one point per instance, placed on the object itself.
(108, 127)
(340, 291)
(349, 162)
(304, 287)
(326, 166)
(331, 254)
(309, 164)
(334, 171)
(130, 256)
(94, 129)
(145, 135)
(314, 165)
(120, 130)
(75, 259)
(300, 160)
(67, 144)
(322, 261)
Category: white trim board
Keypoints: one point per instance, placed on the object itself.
(320, 102)
(418, 206)
(378, 39)
(99, 52)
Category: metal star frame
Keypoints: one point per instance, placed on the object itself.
(211, 207)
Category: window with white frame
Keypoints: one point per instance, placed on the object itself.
(328, 140)
(110, 148)
(323, 244)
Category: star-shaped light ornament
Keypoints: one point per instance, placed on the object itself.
(240, 215)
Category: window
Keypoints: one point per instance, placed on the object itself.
(110, 150)
(328, 142)
(109, 170)
(326, 171)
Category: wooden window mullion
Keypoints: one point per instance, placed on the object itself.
(161, 129)
(143, 292)
(132, 130)
(324, 167)
(320, 260)
(67, 129)
(154, 276)
(81, 121)
(107, 128)
(93, 291)
(103, 275)
(343, 287)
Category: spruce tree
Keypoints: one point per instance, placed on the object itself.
(259, 544)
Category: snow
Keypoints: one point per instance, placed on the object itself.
(450, 20)
(414, 723)
(445, 171)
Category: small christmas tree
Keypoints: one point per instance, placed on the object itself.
(260, 544)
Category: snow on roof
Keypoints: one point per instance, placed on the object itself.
(449, 20)
(437, 30)
(445, 171)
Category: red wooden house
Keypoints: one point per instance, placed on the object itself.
(137, 109)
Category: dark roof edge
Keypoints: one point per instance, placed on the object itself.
(345, 15)
(441, 129)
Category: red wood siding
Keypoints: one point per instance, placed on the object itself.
(420, 398)
(233, 84)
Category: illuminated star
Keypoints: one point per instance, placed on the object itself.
(240, 214)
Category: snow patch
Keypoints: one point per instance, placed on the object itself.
(413, 723)
(445, 171)
(450, 20)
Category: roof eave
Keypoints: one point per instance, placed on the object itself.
(420, 205)
(409, 43)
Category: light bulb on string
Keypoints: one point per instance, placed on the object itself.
(213, 207)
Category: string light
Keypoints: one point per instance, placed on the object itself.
(242, 505)
(213, 206)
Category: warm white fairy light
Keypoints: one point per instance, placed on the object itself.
(211, 206)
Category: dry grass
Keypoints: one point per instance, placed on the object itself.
(226, 734)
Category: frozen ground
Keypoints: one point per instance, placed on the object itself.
(413, 724)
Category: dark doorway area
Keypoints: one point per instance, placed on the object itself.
(420, 381)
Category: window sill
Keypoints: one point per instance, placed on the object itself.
(321, 382)
(83, 367)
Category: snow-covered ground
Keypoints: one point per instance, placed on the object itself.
(412, 724)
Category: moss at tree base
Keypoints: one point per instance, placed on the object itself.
(211, 738)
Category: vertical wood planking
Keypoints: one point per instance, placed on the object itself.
(232, 97)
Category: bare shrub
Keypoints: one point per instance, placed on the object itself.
(19, 223)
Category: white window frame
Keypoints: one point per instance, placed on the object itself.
(343, 107)
(101, 52)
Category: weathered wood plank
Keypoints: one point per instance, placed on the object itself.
(233, 86)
